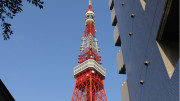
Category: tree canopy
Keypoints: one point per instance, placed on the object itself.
(9, 9)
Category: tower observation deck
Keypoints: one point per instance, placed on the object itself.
(89, 74)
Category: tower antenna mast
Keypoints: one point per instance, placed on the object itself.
(89, 74)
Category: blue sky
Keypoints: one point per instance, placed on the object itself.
(37, 63)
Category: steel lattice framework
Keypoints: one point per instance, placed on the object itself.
(89, 73)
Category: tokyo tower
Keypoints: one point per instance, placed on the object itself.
(89, 74)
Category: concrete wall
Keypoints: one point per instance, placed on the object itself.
(140, 25)
(125, 92)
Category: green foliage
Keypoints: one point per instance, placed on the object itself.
(9, 9)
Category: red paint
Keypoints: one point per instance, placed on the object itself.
(89, 86)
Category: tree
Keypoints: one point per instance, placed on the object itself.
(9, 9)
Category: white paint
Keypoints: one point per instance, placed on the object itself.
(90, 63)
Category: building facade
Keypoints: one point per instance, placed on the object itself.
(4, 93)
(147, 32)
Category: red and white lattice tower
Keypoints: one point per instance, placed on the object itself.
(89, 73)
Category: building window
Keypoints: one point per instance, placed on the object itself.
(168, 36)
(143, 3)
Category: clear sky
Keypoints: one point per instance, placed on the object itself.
(37, 63)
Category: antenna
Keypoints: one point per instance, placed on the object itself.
(89, 2)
